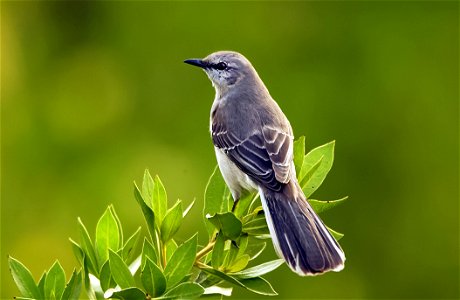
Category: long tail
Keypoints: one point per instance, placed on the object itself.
(298, 234)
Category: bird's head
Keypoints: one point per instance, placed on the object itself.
(225, 68)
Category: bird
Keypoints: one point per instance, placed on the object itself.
(253, 143)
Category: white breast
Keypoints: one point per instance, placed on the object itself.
(235, 179)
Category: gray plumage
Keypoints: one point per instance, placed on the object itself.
(254, 148)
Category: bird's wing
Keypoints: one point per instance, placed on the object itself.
(279, 145)
(264, 156)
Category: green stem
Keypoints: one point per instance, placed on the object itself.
(208, 248)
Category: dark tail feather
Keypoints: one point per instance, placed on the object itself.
(299, 236)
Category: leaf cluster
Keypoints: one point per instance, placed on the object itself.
(156, 265)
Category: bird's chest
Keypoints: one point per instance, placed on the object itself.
(235, 179)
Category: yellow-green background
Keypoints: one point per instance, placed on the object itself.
(94, 92)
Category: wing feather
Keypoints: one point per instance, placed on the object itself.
(264, 156)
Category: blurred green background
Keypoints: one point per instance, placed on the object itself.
(95, 92)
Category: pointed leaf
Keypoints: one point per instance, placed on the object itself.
(256, 226)
(259, 270)
(147, 188)
(239, 263)
(41, 285)
(148, 251)
(105, 277)
(153, 279)
(217, 198)
(171, 247)
(257, 285)
(77, 251)
(299, 153)
(120, 228)
(120, 271)
(159, 201)
(129, 294)
(327, 153)
(55, 281)
(337, 235)
(181, 262)
(87, 247)
(186, 290)
(73, 289)
(255, 248)
(149, 216)
(218, 251)
(310, 171)
(243, 204)
(188, 208)
(23, 279)
(230, 254)
(228, 223)
(243, 244)
(107, 236)
(171, 222)
(130, 245)
(322, 206)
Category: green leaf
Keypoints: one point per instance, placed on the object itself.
(186, 290)
(120, 271)
(230, 254)
(23, 279)
(120, 228)
(243, 204)
(327, 153)
(239, 263)
(73, 289)
(255, 248)
(55, 281)
(228, 223)
(130, 245)
(218, 251)
(41, 285)
(256, 226)
(256, 285)
(90, 293)
(146, 210)
(188, 209)
(159, 201)
(153, 279)
(88, 249)
(322, 206)
(105, 277)
(299, 153)
(171, 222)
(181, 262)
(259, 270)
(148, 251)
(310, 171)
(107, 236)
(217, 198)
(132, 293)
(335, 234)
(259, 285)
(147, 188)
(77, 251)
(171, 247)
(243, 244)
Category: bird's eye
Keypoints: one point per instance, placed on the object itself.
(221, 66)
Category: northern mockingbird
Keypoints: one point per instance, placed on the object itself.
(253, 142)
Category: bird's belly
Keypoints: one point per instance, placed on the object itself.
(236, 179)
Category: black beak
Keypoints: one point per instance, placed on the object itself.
(196, 62)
